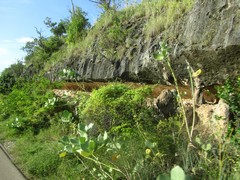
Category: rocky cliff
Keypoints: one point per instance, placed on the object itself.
(208, 37)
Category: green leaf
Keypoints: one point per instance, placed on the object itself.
(66, 116)
(100, 138)
(84, 146)
(163, 45)
(68, 149)
(81, 127)
(82, 140)
(209, 147)
(177, 173)
(91, 145)
(88, 127)
(163, 177)
(85, 149)
(65, 113)
(84, 153)
(74, 141)
(105, 136)
(164, 53)
(118, 146)
(64, 140)
(206, 147)
(65, 120)
(198, 140)
(158, 56)
(83, 134)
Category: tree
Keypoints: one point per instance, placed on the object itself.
(77, 25)
(58, 29)
(9, 77)
(107, 4)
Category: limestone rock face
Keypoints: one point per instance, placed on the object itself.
(211, 39)
(213, 118)
(208, 37)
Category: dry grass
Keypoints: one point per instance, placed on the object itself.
(163, 13)
(160, 14)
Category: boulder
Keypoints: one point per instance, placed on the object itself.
(213, 119)
(166, 103)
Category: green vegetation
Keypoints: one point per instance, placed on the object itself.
(77, 27)
(28, 106)
(230, 92)
(112, 133)
(108, 37)
(10, 76)
(162, 14)
(108, 135)
(117, 108)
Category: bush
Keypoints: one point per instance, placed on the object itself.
(117, 105)
(113, 35)
(230, 92)
(77, 26)
(29, 105)
(9, 77)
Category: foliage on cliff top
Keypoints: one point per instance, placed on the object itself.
(110, 32)
(109, 37)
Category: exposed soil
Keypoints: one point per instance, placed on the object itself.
(89, 86)
(209, 93)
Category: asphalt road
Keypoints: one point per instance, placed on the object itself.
(8, 170)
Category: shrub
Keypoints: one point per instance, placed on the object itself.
(113, 34)
(116, 105)
(230, 92)
(9, 77)
(77, 26)
(29, 105)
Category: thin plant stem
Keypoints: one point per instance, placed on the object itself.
(192, 91)
(100, 163)
(85, 166)
(180, 101)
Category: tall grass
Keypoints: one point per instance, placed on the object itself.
(163, 13)
(157, 15)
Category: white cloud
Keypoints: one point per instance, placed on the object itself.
(24, 39)
(6, 41)
(3, 51)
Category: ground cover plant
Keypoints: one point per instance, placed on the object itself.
(112, 133)
(138, 145)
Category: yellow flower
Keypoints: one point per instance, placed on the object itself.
(148, 151)
(62, 154)
(197, 73)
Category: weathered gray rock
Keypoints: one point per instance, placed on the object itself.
(211, 39)
(208, 37)
(221, 112)
(166, 103)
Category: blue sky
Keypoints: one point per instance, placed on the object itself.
(19, 18)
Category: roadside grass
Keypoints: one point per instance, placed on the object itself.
(142, 150)
(38, 155)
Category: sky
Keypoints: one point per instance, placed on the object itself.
(18, 19)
